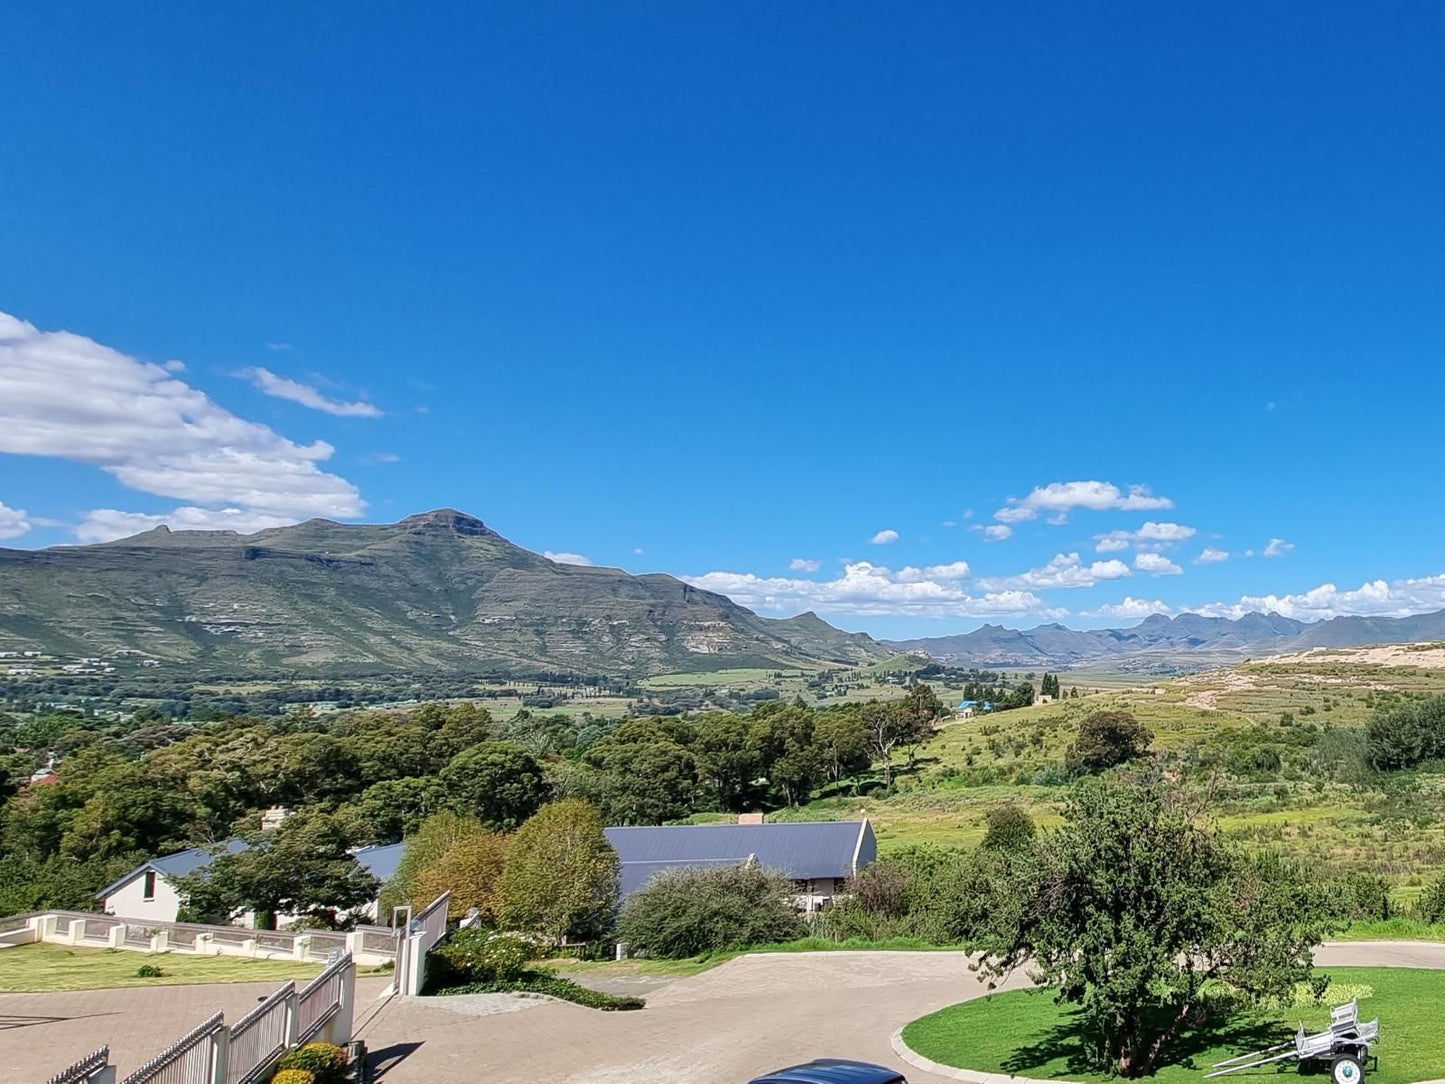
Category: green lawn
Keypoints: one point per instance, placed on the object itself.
(1025, 1033)
(46, 968)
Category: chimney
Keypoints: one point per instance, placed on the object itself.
(750, 818)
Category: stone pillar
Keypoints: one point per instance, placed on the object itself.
(338, 1028)
(249, 946)
(354, 943)
(301, 947)
(45, 927)
(161, 940)
(77, 931)
(116, 936)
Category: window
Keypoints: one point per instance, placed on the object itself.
(149, 891)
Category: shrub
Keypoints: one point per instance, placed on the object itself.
(1404, 736)
(1430, 907)
(294, 1076)
(1107, 738)
(476, 955)
(324, 1062)
(1009, 829)
(1359, 896)
(148, 971)
(690, 911)
(540, 982)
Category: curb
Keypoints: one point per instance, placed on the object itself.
(971, 1076)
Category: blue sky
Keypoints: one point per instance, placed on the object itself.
(718, 290)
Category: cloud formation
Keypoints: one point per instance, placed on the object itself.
(1064, 570)
(1277, 547)
(280, 387)
(1156, 564)
(1130, 608)
(69, 397)
(803, 564)
(105, 524)
(565, 558)
(866, 589)
(994, 532)
(1376, 598)
(13, 522)
(1211, 556)
(1060, 498)
(884, 538)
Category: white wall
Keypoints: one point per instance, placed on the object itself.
(128, 901)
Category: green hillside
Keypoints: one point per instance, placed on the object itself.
(439, 591)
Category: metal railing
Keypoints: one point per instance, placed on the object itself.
(260, 1037)
(319, 999)
(189, 1060)
(433, 921)
(84, 1069)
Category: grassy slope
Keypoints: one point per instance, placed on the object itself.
(46, 968)
(1026, 1033)
(975, 764)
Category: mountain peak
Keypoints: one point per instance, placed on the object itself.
(446, 519)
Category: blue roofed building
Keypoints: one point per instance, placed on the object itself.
(148, 892)
(818, 856)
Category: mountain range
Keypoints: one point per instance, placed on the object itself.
(439, 591)
(1159, 642)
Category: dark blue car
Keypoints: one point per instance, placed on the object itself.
(833, 1071)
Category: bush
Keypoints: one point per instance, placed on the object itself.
(1009, 829)
(686, 912)
(1106, 739)
(324, 1062)
(1430, 907)
(541, 982)
(148, 971)
(1404, 736)
(294, 1076)
(477, 955)
(1359, 897)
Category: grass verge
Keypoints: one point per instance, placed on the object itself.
(43, 968)
(1026, 1033)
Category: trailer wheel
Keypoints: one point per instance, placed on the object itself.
(1347, 1069)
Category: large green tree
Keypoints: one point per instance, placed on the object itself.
(498, 782)
(561, 875)
(1133, 906)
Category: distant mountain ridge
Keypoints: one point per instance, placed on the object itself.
(1159, 641)
(440, 591)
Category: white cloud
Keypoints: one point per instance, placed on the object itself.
(280, 387)
(948, 523)
(884, 538)
(1113, 542)
(872, 590)
(1277, 547)
(1059, 498)
(1376, 598)
(637, 550)
(803, 564)
(1165, 532)
(13, 522)
(994, 532)
(1151, 536)
(1064, 570)
(1156, 564)
(566, 558)
(1131, 608)
(105, 524)
(968, 513)
(68, 397)
(1209, 556)
(381, 457)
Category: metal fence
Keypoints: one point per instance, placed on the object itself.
(85, 1069)
(191, 1059)
(260, 1037)
(319, 999)
(433, 921)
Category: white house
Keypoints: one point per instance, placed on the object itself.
(147, 893)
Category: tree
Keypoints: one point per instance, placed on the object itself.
(727, 763)
(471, 870)
(301, 868)
(498, 782)
(882, 722)
(783, 740)
(1107, 738)
(918, 711)
(561, 875)
(1407, 734)
(391, 809)
(842, 742)
(685, 912)
(1132, 907)
(1009, 829)
(644, 782)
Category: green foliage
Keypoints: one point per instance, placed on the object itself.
(301, 868)
(1131, 908)
(326, 1062)
(148, 971)
(685, 912)
(542, 982)
(478, 955)
(561, 874)
(294, 1076)
(499, 783)
(450, 853)
(1407, 734)
(1009, 829)
(1430, 907)
(1106, 739)
(1358, 897)
(30, 883)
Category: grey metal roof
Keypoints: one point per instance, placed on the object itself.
(803, 851)
(380, 861)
